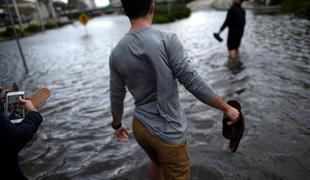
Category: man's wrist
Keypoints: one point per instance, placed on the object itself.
(116, 126)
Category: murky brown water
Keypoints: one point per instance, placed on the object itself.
(75, 140)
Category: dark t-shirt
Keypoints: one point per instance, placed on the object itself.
(235, 20)
(13, 137)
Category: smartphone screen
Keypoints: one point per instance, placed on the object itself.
(15, 111)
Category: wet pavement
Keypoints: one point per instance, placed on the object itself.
(75, 141)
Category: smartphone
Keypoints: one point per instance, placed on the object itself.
(15, 111)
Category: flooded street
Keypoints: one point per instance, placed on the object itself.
(76, 141)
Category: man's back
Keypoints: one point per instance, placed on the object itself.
(131, 59)
(148, 62)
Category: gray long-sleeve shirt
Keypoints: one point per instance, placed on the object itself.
(149, 62)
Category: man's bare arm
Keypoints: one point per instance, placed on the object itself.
(218, 103)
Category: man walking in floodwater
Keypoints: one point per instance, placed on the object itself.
(149, 61)
(235, 21)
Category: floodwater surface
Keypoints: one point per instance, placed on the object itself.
(75, 140)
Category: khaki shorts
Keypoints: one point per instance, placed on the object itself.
(172, 158)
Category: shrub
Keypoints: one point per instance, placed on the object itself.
(180, 11)
(299, 7)
(33, 28)
(10, 33)
(160, 19)
(164, 14)
(50, 25)
(60, 24)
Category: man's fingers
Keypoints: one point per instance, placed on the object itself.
(124, 135)
(121, 134)
(230, 123)
(234, 121)
(123, 138)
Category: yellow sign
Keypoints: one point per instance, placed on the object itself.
(83, 18)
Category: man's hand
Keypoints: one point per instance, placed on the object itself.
(229, 111)
(3, 93)
(121, 134)
(28, 105)
(233, 114)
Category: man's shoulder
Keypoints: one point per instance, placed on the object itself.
(148, 36)
(118, 46)
(163, 33)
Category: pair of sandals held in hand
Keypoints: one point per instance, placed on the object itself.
(233, 132)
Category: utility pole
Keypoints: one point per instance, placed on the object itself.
(18, 16)
(50, 3)
(168, 2)
(39, 14)
(16, 35)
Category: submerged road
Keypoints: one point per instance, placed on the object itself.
(76, 141)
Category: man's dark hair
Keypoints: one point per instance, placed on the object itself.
(136, 8)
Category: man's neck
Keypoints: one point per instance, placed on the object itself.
(140, 23)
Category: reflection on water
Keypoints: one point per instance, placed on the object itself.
(75, 141)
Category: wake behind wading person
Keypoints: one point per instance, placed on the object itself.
(235, 21)
(151, 62)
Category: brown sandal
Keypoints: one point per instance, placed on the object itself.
(233, 132)
(40, 97)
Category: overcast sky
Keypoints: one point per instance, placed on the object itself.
(99, 3)
(102, 2)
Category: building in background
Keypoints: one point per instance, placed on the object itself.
(118, 3)
(82, 5)
(27, 9)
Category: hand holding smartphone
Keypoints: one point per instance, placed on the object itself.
(15, 110)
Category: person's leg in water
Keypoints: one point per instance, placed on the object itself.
(155, 172)
(168, 161)
(233, 54)
(233, 44)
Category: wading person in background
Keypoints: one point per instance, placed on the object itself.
(149, 61)
(13, 138)
(235, 21)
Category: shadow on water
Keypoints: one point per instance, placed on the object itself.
(196, 173)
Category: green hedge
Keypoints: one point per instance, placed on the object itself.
(33, 28)
(299, 7)
(164, 14)
(160, 19)
(50, 25)
(9, 33)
